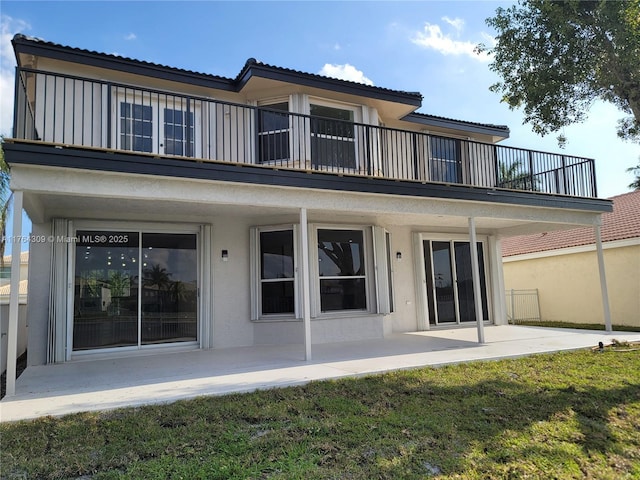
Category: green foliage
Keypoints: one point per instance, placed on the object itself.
(555, 57)
(636, 171)
(564, 416)
(5, 199)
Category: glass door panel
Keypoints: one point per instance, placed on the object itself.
(443, 282)
(106, 290)
(449, 282)
(169, 288)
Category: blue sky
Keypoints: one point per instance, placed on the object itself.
(412, 46)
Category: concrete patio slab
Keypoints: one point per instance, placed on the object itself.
(108, 383)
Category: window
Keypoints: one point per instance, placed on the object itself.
(273, 132)
(445, 160)
(277, 274)
(178, 132)
(5, 272)
(332, 137)
(136, 127)
(341, 270)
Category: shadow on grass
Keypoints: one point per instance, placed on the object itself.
(563, 416)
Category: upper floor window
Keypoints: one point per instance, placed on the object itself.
(273, 132)
(446, 162)
(333, 139)
(136, 127)
(178, 132)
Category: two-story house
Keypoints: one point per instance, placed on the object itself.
(179, 210)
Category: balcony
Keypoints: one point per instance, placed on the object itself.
(87, 113)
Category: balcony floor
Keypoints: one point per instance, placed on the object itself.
(103, 384)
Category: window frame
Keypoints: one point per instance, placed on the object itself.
(256, 274)
(357, 118)
(141, 228)
(158, 103)
(369, 276)
(289, 130)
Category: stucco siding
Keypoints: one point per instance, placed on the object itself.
(569, 285)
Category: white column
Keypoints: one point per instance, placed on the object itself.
(475, 270)
(603, 280)
(12, 333)
(306, 288)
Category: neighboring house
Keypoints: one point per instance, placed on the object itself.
(5, 292)
(563, 266)
(186, 210)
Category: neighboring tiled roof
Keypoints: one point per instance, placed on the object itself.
(5, 290)
(622, 223)
(24, 258)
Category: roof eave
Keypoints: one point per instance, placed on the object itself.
(27, 46)
(494, 130)
(252, 69)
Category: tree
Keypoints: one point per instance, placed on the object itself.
(513, 176)
(636, 171)
(5, 200)
(555, 57)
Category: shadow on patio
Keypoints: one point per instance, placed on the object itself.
(107, 383)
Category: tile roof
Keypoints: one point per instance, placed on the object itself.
(427, 116)
(24, 258)
(20, 41)
(5, 290)
(622, 223)
(252, 62)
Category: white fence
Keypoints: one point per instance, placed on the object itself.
(523, 305)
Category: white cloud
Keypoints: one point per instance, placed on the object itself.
(433, 38)
(345, 72)
(131, 36)
(8, 28)
(456, 23)
(337, 46)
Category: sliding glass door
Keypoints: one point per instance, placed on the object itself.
(449, 281)
(134, 289)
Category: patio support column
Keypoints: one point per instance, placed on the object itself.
(12, 333)
(475, 271)
(603, 280)
(306, 288)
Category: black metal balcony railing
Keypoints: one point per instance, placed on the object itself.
(84, 112)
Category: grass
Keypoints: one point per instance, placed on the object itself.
(566, 415)
(581, 326)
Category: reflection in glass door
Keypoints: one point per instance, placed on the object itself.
(106, 290)
(169, 288)
(134, 289)
(448, 272)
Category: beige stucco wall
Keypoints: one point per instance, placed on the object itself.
(569, 284)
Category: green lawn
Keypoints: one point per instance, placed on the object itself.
(580, 326)
(565, 415)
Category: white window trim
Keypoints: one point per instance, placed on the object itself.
(357, 118)
(421, 280)
(370, 273)
(273, 101)
(256, 280)
(158, 103)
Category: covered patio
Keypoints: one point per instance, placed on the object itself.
(126, 381)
